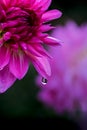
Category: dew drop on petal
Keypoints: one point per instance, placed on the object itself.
(44, 81)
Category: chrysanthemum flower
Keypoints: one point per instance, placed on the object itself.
(66, 89)
(22, 36)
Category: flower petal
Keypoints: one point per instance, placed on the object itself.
(51, 41)
(19, 65)
(6, 2)
(42, 66)
(6, 79)
(51, 15)
(29, 2)
(44, 4)
(45, 28)
(10, 2)
(4, 56)
(40, 50)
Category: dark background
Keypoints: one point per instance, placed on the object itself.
(72, 9)
(20, 100)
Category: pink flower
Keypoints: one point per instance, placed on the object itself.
(22, 36)
(66, 89)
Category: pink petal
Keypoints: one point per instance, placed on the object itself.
(13, 2)
(4, 56)
(10, 2)
(33, 51)
(40, 50)
(44, 4)
(6, 36)
(1, 42)
(35, 40)
(29, 49)
(19, 65)
(42, 66)
(45, 28)
(51, 15)
(6, 2)
(51, 41)
(29, 2)
(2, 13)
(6, 79)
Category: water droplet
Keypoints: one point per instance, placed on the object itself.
(44, 81)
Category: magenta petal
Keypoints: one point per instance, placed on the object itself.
(43, 4)
(6, 79)
(51, 41)
(42, 66)
(4, 56)
(51, 15)
(29, 2)
(40, 50)
(6, 36)
(33, 51)
(10, 2)
(6, 2)
(1, 42)
(45, 28)
(19, 65)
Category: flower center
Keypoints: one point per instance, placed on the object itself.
(1, 34)
(20, 25)
(31, 19)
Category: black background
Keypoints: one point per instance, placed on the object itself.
(20, 100)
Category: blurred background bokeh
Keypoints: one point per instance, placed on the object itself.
(21, 99)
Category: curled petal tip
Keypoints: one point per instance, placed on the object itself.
(59, 13)
(52, 41)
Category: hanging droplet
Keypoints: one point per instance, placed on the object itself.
(44, 81)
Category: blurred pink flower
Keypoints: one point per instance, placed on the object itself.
(66, 89)
(22, 36)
